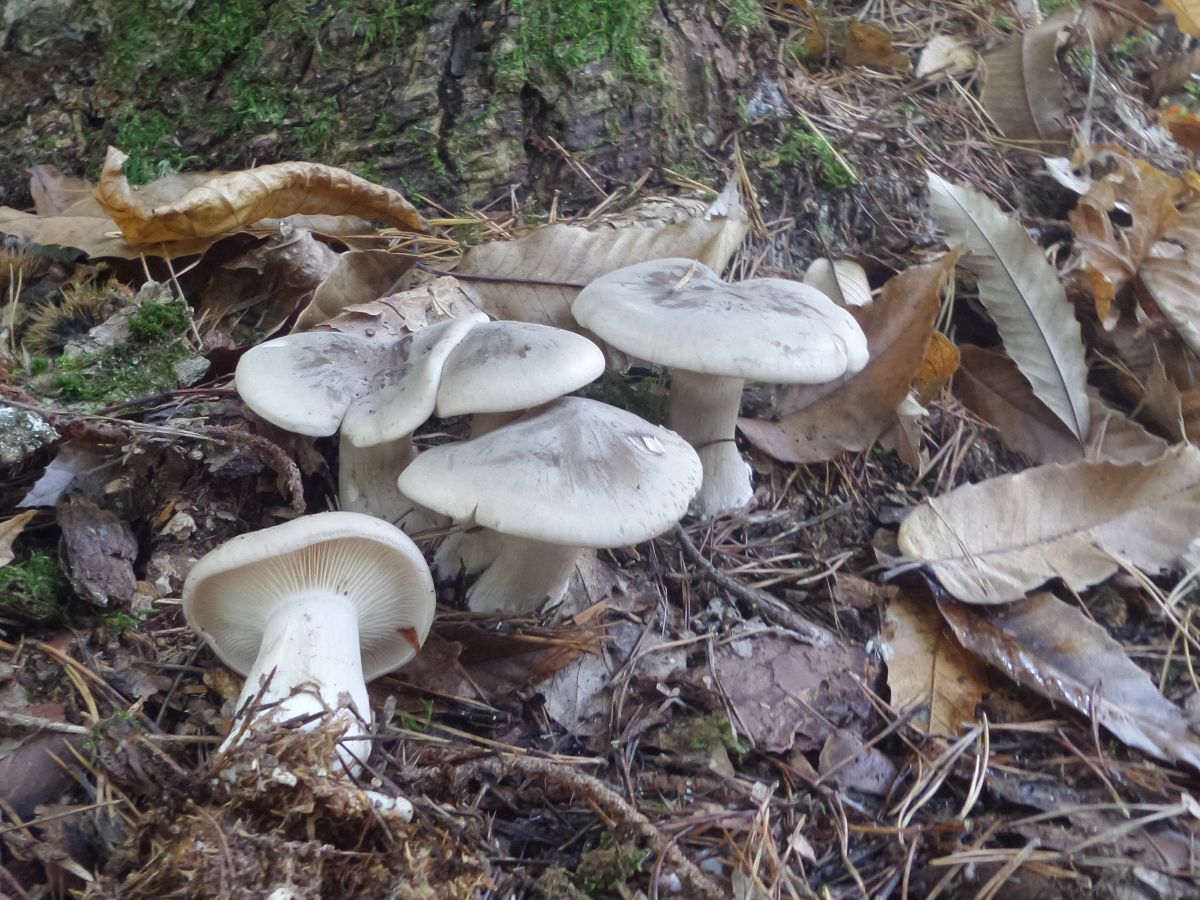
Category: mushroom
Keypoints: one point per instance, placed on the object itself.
(573, 475)
(715, 335)
(309, 611)
(377, 390)
(496, 373)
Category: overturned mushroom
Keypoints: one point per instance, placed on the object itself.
(309, 611)
(571, 476)
(716, 335)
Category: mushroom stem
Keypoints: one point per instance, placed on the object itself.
(367, 484)
(309, 664)
(470, 551)
(523, 576)
(704, 411)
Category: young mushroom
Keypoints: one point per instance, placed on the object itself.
(309, 611)
(496, 373)
(715, 335)
(571, 476)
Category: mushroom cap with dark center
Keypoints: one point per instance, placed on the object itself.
(576, 472)
(505, 366)
(679, 313)
(230, 594)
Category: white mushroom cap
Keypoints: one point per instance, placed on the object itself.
(403, 393)
(304, 383)
(679, 313)
(505, 366)
(577, 472)
(230, 594)
(843, 281)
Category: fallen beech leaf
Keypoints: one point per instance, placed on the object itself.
(1024, 90)
(843, 281)
(994, 541)
(947, 55)
(1107, 24)
(54, 192)
(1024, 297)
(10, 530)
(927, 665)
(847, 762)
(98, 237)
(824, 420)
(1187, 14)
(1171, 276)
(408, 311)
(870, 44)
(537, 275)
(233, 201)
(785, 692)
(357, 276)
(1183, 125)
(937, 368)
(990, 385)
(1050, 647)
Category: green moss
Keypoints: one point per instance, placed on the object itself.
(34, 590)
(553, 38)
(745, 16)
(804, 146)
(645, 396)
(155, 322)
(388, 23)
(609, 866)
(148, 137)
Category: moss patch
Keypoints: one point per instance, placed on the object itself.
(34, 590)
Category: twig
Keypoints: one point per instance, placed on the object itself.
(696, 883)
(770, 608)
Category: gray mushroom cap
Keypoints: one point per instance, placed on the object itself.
(679, 313)
(577, 472)
(505, 366)
(230, 593)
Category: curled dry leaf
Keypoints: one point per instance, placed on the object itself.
(535, 277)
(990, 385)
(408, 311)
(1024, 297)
(10, 530)
(356, 277)
(230, 202)
(1052, 648)
(1024, 90)
(927, 666)
(947, 55)
(821, 421)
(995, 541)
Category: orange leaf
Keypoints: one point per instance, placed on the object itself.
(1184, 127)
(937, 368)
(235, 200)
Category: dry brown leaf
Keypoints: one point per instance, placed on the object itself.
(357, 276)
(1187, 14)
(1173, 72)
(822, 421)
(1024, 90)
(843, 281)
(937, 368)
(537, 275)
(995, 541)
(1050, 647)
(97, 237)
(1114, 20)
(54, 192)
(1171, 277)
(870, 44)
(928, 666)
(947, 55)
(990, 385)
(236, 200)
(1024, 297)
(1110, 257)
(408, 311)
(10, 530)
(1183, 125)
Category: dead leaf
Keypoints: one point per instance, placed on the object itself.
(851, 765)
(1050, 647)
(408, 311)
(995, 541)
(927, 666)
(98, 237)
(990, 385)
(870, 44)
(841, 280)
(98, 551)
(1183, 125)
(10, 530)
(821, 421)
(786, 692)
(438, 670)
(1171, 276)
(236, 200)
(1024, 90)
(948, 55)
(535, 277)
(357, 276)
(937, 368)
(1024, 297)
(1114, 20)
(72, 463)
(1173, 72)
(1187, 14)
(53, 191)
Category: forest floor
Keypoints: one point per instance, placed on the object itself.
(787, 701)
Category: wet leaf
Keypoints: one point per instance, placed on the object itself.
(1024, 90)
(994, 541)
(1052, 648)
(824, 420)
(928, 666)
(537, 275)
(990, 385)
(231, 202)
(786, 692)
(1024, 297)
(10, 530)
